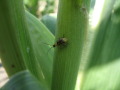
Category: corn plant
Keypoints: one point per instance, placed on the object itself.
(78, 57)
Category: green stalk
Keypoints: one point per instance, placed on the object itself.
(15, 43)
(10, 25)
(72, 24)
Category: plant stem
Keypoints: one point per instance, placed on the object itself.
(72, 23)
(10, 24)
(15, 45)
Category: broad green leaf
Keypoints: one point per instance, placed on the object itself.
(23, 80)
(42, 41)
(104, 77)
(102, 71)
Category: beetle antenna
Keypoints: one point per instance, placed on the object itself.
(49, 50)
(47, 44)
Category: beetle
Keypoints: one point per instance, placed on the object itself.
(61, 42)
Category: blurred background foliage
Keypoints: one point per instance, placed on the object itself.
(40, 7)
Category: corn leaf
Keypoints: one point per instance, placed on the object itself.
(102, 71)
(41, 39)
(23, 81)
